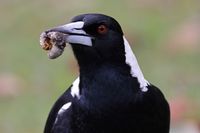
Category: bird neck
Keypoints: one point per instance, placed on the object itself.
(91, 58)
(107, 67)
(135, 68)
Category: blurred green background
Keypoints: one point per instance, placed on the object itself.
(165, 36)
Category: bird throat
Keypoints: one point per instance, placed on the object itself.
(87, 62)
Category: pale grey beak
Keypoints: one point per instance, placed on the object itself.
(75, 33)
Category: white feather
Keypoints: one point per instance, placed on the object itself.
(64, 108)
(135, 69)
(75, 91)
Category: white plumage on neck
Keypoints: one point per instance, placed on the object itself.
(75, 90)
(135, 69)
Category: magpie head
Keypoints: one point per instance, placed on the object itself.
(97, 39)
(94, 38)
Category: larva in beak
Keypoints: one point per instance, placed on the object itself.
(53, 42)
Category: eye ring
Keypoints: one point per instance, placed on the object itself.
(102, 29)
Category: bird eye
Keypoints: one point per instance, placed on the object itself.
(102, 29)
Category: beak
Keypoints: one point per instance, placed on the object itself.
(75, 33)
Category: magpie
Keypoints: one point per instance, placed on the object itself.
(110, 94)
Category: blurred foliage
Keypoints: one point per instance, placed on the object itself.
(166, 40)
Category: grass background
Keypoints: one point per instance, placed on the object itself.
(165, 36)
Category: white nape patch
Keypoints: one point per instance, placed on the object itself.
(75, 91)
(77, 39)
(64, 108)
(135, 69)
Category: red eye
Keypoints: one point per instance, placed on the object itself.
(102, 29)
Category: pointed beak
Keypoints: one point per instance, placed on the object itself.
(75, 33)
